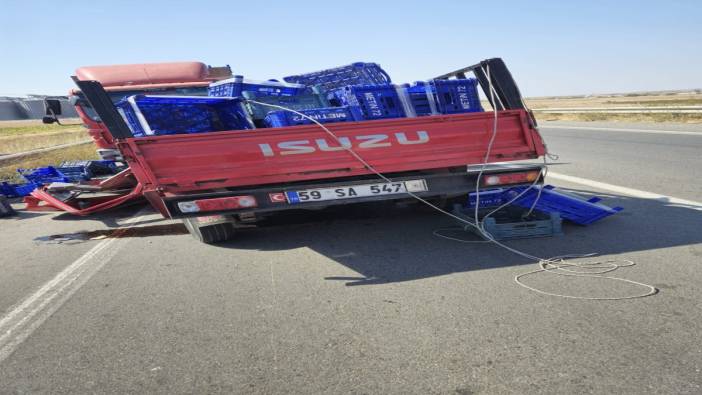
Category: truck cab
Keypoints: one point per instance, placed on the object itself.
(175, 78)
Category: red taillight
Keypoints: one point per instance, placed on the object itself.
(510, 178)
(218, 204)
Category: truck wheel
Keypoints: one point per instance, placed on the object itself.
(209, 233)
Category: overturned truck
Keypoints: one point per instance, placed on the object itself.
(218, 181)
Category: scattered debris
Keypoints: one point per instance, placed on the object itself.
(6, 209)
(534, 211)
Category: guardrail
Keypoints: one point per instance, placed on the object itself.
(622, 110)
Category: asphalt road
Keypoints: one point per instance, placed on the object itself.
(366, 300)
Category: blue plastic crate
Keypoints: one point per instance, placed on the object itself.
(456, 96)
(235, 86)
(305, 101)
(43, 175)
(75, 173)
(16, 190)
(278, 119)
(512, 223)
(159, 115)
(358, 73)
(488, 198)
(422, 98)
(86, 169)
(571, 207)
(369, 101)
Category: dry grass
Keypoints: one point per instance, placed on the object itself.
(666, 102)
(683, 99)
(656, 117)
(610, 101)
(21, 136)
(15, 144)
(15, 128)
(8, 170)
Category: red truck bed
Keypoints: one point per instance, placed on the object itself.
(211, 161)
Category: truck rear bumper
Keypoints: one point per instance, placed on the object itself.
(277, 197)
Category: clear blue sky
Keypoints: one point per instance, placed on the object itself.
(552, 47)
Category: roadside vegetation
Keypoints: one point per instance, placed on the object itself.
(8, 169)
(589, 117)
(624, 100)
(22, 136)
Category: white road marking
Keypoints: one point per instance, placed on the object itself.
(18, 324)
(673, 201)
(678, 132)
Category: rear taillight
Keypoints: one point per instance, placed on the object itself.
(218, 204)
(510, 178)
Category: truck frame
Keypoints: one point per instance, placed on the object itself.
(216, 182)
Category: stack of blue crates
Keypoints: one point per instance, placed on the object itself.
(278, 119)
(359, 91)
(159, 115)
(369, 101)
(235, 86)
(358, 73)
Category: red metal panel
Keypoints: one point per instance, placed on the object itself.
(180, 163)
(146, 73)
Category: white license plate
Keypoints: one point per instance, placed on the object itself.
(355, 191)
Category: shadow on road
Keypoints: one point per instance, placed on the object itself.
(387, 244)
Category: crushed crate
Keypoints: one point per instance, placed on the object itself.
(510, 223)
(75, 173)
(235, 86)
(570, 206)
(369, 101)
(278, 119)
(358, 73)
(87, 169)
(161, 115)
(43, 175)
(305, 101)
(16, 190)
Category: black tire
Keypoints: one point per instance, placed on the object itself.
(209, 233)
(5, 208)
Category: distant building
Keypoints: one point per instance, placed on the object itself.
(31, 107)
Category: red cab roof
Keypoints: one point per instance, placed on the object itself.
(131, 76)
